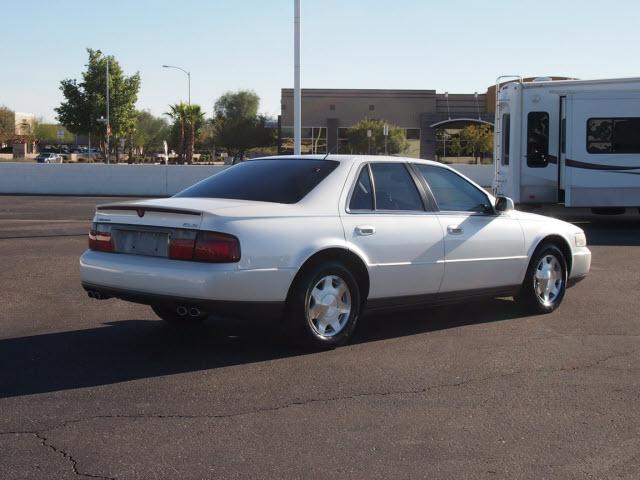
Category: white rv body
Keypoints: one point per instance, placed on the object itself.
(575, 142)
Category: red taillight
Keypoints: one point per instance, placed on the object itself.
(216, 247)
(100, 241)
(181, 248)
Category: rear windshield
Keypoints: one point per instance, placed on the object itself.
(277, 181)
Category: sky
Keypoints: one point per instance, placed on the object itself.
(459, 46)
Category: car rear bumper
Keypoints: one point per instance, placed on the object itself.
(231, 309)
(161, 277)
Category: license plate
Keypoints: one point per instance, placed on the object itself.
(153, 244)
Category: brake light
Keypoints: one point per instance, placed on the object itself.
(100, 240)
(181, 248)
(216, 247)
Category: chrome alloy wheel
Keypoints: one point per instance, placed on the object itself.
(548, 279)
(329, 306)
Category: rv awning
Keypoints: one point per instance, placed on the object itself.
(460, 120)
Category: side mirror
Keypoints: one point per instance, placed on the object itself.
(504, 204)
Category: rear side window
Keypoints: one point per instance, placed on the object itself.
(452, 192)
(537, 139)
(362, 197)
(395, 188)
(277, 181)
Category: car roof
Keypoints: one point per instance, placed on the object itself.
(342, 158)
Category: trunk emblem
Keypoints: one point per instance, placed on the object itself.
(140, 212)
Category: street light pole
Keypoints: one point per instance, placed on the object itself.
(297, 97)
(188, 78)
(108, 124)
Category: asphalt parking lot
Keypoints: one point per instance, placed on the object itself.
(105, 390)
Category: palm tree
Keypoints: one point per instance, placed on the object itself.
(178, 112)
(194, 117)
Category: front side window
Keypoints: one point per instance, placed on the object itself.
(613, 135)
(278, 181)
(452, 192)
(537, 139)
(395, 188)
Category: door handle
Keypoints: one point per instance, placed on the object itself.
(454, 230)
(365, 230)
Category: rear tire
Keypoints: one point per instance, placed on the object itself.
(169, 315)
(323, 306)
(545, 282)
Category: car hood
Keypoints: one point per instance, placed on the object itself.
(550, 221)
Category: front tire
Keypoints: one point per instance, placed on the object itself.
(545, 282)
(323, 306)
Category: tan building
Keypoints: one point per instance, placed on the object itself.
(328, 113)
(25, 123)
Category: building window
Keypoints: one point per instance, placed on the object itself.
(413, 133)
(343, 140)
(284, 107)
(332, 107)
(537, 139)
(613, 135)
(312, 140)
(372, 108)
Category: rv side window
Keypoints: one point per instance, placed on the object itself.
(506, 137)
(537, 139)
(613, 135)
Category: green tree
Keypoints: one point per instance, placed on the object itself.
(85, 100)
(360, 143)
(477, 140)
(178, 113)
(150, 131)
(237, 105)
(48, 133)
(194, 121)
(7, 123)
(237, 125)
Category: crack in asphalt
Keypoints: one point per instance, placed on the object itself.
(67, 456)
(74, 463)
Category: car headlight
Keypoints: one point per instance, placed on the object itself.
(581, 239)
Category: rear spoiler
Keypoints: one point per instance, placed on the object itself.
(141, 210)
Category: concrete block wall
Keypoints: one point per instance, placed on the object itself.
(132, 180)
(100, 179)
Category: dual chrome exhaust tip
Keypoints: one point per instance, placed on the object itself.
(183, 311)
(96, 295)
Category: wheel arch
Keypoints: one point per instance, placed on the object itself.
(350, 259)
(560, 242)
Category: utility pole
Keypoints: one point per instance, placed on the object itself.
(385, 132)
(108, 124)
(297, 98)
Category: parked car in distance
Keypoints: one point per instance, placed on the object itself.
(312, 241)
(49, 158)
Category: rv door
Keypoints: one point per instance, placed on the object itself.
(562, 150)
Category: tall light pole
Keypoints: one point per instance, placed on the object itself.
(297, 98)
(108, 124)
(188, 77)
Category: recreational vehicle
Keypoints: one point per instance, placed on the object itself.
(575, 142)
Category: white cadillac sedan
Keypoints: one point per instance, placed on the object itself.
(315, 240)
